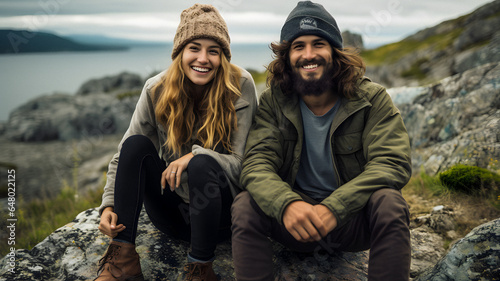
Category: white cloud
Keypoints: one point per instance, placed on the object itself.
(255, 18)
(379, 22)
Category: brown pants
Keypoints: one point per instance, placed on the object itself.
(381, 226)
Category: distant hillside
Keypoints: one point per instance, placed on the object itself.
(448, 48)
(96, 39)
(23, 41)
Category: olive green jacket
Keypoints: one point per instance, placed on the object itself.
(370, 147)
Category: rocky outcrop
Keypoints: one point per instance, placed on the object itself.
(44, 168)
(352, 40)
(124, 81)
(444, 50)
(427, 238)
(454, 121)
(106, 110)
(73, 251)
(475, 257)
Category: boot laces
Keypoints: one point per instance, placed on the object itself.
(113, 251)
(195, 270)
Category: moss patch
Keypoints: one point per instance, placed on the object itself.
(393, 52)
(470, 179)
(415, 71)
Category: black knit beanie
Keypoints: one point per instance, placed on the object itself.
(309, 18)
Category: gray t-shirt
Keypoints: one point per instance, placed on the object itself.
(316, 176)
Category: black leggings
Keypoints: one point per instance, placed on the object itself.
(203, 222)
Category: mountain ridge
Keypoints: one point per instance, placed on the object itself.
(437, 52)
(24, 41)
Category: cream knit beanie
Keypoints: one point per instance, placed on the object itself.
(201, 21)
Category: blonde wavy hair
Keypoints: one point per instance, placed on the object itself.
(176, 112)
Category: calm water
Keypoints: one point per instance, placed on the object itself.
(25, 76)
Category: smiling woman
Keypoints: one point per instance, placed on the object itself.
(187, 135)
(200, 60)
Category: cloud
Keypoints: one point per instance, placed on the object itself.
(379, 22)
(146, 26)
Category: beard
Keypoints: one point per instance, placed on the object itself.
(311, 86)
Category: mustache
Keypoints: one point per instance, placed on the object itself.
(303, 62)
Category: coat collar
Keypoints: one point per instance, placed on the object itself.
(291, 109)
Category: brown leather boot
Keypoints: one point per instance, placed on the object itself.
(121, 262)
(197, 271)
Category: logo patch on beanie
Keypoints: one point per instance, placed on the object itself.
(308, 23)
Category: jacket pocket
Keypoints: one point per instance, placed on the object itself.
(349, 155)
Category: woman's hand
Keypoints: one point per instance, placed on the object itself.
(172, 174)
(108, 223)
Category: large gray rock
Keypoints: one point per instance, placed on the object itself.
(67, 117)
(105, 111)
(475, 257)
(453, 121)
(427, 238)
(73, 251)
(44, 168)
(353, 40)
(427, 247)
(123, 81)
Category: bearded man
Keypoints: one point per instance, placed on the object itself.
(325, 160)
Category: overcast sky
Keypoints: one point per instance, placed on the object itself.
(259, 21)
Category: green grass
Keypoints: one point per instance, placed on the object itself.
(258, 77)
(389, 53)
(39, 218)
(497, 14)
(450, 184)
(393, 52)
(427, 186)
(423, 192)
(128, 94)
(415, 71)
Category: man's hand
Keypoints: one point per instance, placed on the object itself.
(329, 220)
(108, 223)
(303, 222)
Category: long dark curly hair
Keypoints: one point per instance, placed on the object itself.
(348, 68)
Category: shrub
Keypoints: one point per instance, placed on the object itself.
(470, 179)
(258, 77)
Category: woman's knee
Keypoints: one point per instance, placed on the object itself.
(205, 169)
(137, 143)
(201, 163)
